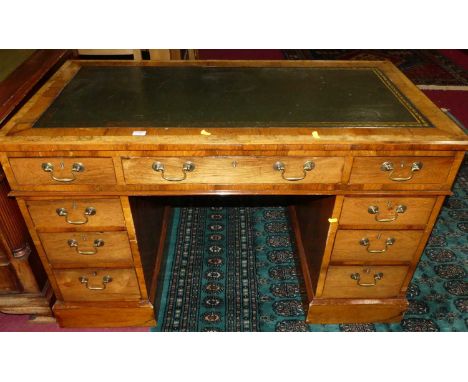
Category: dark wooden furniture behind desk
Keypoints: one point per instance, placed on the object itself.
(368, 158)
(24, 288)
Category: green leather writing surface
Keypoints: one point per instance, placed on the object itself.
(145, 96)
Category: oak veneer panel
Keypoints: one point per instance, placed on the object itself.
(367, 170)
(123, 287)
(115, 251)
(355, 210)
(8, 281)
(332, 311)
(339, 283)
(104, 315)
(27, 303)
(151, 219)
(226, 170)
(348, 248)
(44, 215)
(310, 223)
(29, 170)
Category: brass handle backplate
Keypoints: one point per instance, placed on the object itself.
(280, 166)
(388, 166)
(105, 280)
(186, 167)
(374, 210)
(76, 167)
(89, 211)
(72, 243)
(357, 276)
(366, 243)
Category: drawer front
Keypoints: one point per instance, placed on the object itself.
(81, 249)
(60, 171)
(98, 284)
(76, 213)
(373, 246)
(386, 211)
(364, 282)
(229, 170)
(399, 170)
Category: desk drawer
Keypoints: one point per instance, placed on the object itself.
(76, 213)
(364, 282)
(60, 171)
(399, 170)
(98, 284)
(373, 246)
(386, 211)
(229, 170)
(81, 249)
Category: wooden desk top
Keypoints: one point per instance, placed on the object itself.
(237, 105)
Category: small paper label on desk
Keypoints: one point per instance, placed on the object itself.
(139, 132)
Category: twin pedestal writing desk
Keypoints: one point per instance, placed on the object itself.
(362, 157)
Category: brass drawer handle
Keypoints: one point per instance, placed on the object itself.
(97, 243)
(280, 166)
(186, 167)
(76, 167)
(89, 211)
(366, 243)
(377, 276)
(374, 210)
(105, 280)
(388, 166)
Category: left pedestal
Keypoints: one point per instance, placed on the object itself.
(89, 249)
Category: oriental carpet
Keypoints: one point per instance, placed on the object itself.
(422, 66)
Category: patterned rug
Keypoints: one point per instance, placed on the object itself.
(236, 269)
(423, 67)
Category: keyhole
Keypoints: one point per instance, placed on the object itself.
(62, 165)
(74, 205)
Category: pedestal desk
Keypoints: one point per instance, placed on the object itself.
(96, 158)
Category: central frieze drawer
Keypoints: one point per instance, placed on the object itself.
(62, 171)
(400, 170)
(375, 246)
(76, 213)
(98, 284)
(364, 282)
(228, 170)
(75, 249)
(386, 211)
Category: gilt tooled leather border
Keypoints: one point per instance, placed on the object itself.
(420, 120)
